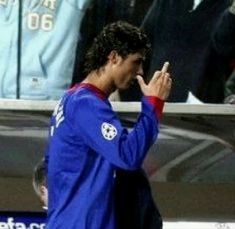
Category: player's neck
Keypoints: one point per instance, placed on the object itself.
(100, 80)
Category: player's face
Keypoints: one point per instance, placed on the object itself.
(127, 70)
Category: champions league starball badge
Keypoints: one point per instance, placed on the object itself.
(108, 131)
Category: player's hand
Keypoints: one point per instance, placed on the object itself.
(159, 85)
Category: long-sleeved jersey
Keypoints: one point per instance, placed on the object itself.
(49, 34)
(86, 145)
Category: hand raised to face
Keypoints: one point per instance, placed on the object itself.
(159, 85)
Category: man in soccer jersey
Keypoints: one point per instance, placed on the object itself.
(87, 141)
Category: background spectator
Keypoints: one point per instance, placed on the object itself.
(37, 47)
(181, 32)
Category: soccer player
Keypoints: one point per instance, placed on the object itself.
(87, 141)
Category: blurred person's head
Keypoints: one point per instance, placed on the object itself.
(40, 182)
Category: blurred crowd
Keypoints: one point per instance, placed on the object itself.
(43, 44)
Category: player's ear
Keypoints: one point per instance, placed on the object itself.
(44, 194)
(43, 190)
(113, 57)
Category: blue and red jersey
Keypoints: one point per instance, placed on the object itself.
(87, 144)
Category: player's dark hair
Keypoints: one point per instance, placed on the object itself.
(119, 36)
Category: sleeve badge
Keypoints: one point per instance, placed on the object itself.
(108, 131)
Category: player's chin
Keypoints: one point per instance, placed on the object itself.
(129, 83)
(126, 86)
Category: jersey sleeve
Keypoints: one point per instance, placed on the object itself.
(103, 132)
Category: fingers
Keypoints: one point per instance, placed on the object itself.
(156, 76)
(165, 67)
(161, 73)
(159, 85)
(166, 79)
(166, 76)
(140, 81)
